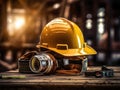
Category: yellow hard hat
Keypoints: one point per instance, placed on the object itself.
(65, 38)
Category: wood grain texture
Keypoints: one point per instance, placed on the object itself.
(59, 80)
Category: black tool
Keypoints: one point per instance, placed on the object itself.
(97, 74)
(104, 72)
(107, 72)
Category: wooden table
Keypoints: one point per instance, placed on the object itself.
(34, 81)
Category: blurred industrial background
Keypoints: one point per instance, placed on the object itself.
(21, 22)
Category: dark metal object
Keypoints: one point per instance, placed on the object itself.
(107, 72)
(104, 72)
(97, 74)
(89, 73)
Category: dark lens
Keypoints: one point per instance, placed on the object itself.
(35, 64)
(39, 64)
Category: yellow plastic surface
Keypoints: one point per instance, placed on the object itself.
(64, 37)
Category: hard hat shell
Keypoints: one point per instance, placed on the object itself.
(64, 37)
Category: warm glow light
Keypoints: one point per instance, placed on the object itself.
(101, 12)
(15, 21)
(101, 20)
(89, 24)
(89, 42)
(56, 6)
(19, 22)
(101, 28)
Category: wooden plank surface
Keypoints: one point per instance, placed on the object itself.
(36, 79)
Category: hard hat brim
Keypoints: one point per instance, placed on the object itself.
(72, 52)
